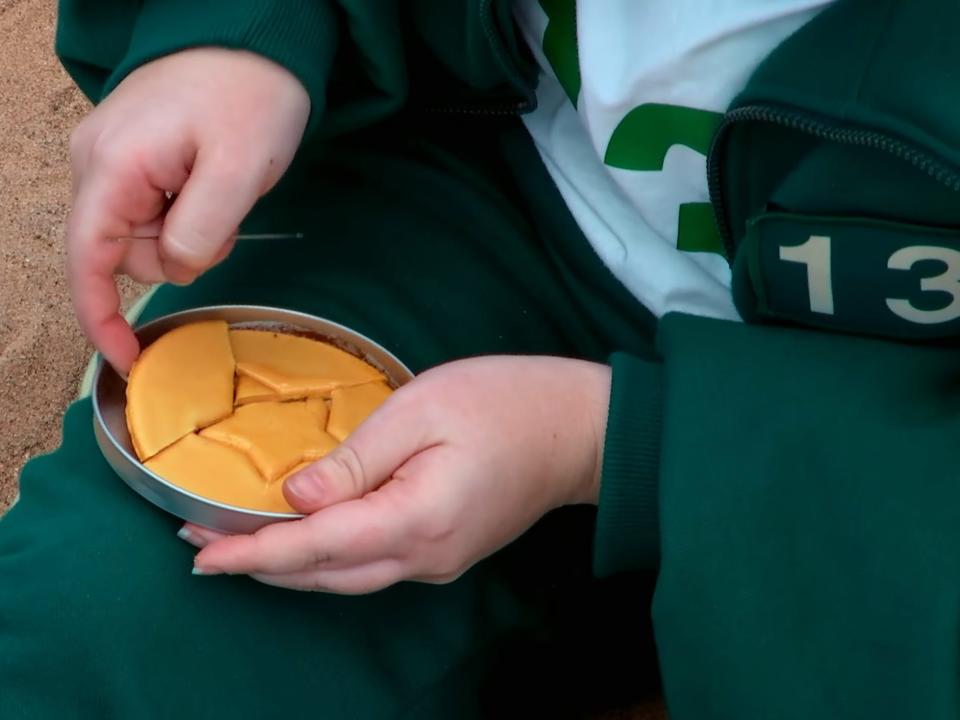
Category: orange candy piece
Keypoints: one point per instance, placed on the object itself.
(297, 367)
(182, 382)
(219, 472)
(350, 406)
(276, 436)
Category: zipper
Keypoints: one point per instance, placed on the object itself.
(503, 57)
(500, 109)
(820, 128)
(500, 52)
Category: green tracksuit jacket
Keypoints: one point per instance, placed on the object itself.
(794, 479)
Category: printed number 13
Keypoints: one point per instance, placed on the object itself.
(815, 254)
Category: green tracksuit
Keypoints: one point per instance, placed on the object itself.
(789, 482)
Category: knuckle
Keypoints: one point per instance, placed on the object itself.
(259, 550)
(438, 556)
(417, 400)
(232, 165)
(105, 151)
(439, 547)
(117, 153)
(450, 564)
(430, 397)
(320, 557)
(314, 585)
(78, 143)
(124, 163)
(444, 578)
(350, 469)
(434, 528)
(437, 533)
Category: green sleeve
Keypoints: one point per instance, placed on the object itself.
(101, 42)
(808, 506)
(360, 61)
(627, 535)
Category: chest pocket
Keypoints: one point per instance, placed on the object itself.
(853, 274)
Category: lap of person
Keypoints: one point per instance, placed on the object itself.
(99, 613)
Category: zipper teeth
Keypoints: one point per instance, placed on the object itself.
(919, 158)
(506, 109)
(502, 56)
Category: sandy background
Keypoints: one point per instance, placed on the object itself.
(41, 349)
(42, 352)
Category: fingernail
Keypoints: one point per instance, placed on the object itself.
(177, 273)
(306, 488)
(194, 538)
(179, 278)
(187, 536)
(197, 570)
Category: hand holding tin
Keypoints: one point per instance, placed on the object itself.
(452, 467)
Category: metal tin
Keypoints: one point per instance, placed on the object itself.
(110, 401)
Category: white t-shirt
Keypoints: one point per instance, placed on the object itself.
(629, 95)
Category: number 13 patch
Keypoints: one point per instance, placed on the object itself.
(856, 274)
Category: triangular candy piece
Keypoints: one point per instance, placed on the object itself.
(295, 366)
(350, 406)
(217, 471)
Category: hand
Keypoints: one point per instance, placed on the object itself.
(451, 468)
(215, 127)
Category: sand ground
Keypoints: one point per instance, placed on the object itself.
(42, 352)
(41, 348)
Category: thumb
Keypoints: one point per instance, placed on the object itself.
(394, 432)
(204, 217)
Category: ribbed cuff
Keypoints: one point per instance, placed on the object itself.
(300, 35)
(628, 531)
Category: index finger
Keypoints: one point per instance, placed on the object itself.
(93, 255)
(344, 535)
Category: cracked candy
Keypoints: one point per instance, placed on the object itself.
(276, 436)
(180, 383)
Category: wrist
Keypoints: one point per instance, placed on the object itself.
(596, 405)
